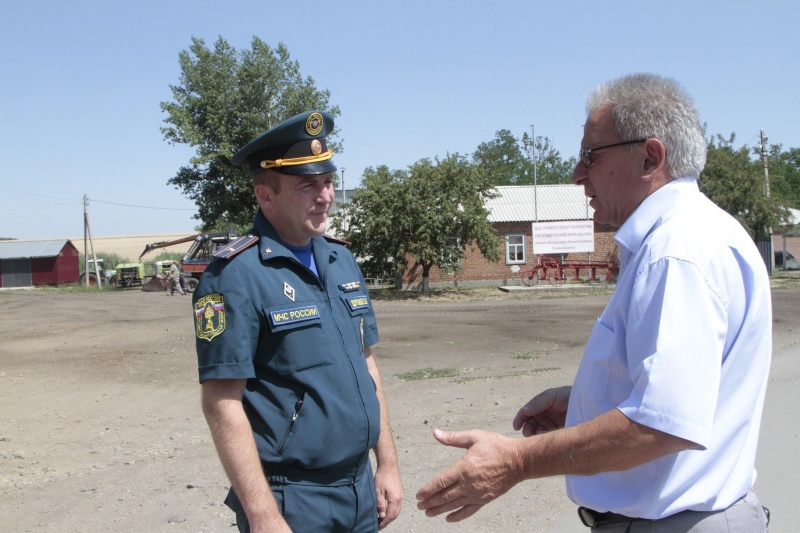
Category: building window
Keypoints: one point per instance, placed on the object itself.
(515, 249)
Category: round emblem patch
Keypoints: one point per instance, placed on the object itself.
(316, 147)
(314, 124)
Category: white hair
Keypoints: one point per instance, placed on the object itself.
(646, 105)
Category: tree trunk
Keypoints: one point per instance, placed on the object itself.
(426, 272)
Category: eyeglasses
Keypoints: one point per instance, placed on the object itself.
(584, 153)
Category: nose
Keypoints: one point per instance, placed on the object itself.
(580, 173)
(325, 192)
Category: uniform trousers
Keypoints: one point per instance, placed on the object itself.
(744, 516)
(320, 502)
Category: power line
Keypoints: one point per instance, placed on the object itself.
(17, 197)
(24, 190)
(27, 192)
(142, 206)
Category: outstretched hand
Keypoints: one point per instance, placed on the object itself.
(545, 412)
(489, 468)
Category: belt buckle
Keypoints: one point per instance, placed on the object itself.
(587, 516)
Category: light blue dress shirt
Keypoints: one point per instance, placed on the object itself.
(683, 346)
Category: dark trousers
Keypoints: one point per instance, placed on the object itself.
(317, 504)
(744, 516)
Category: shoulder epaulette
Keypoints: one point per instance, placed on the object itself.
(234, 248)
(331, 238)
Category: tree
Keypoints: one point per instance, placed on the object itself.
(735, 182)
(370, 221)
(551, 169)
(784, 174)
(427, 216)
(226, 98)
(509, 161)
(502, 159)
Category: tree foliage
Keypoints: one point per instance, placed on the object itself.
(784, 174)
(429, 215)
(735, 182)
(509, 161)
(502, 159)
(551, 168)
(224, 99)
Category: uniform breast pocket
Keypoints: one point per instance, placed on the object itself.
(357, 306)
(298, 340)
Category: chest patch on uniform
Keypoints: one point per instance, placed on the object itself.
(288, 291)
(290, 316)
(350, 287)
(209, 316)
(357, 302)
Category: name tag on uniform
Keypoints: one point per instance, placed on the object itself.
(291, 316)
(357, 302)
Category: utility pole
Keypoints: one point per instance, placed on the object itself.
(770, 256)
(85, 240)
(533, 157)
(344, 203)
(87, 235)
(535, 194)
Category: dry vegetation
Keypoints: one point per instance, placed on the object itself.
(130, 246)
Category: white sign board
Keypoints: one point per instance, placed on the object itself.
(563, 237)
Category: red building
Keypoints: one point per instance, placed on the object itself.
(41, 262)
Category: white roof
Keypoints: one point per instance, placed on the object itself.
(517, 203)
(794, 219)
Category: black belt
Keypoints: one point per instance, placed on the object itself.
(591, 518)
(278, 473)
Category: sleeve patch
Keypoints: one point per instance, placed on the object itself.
(209, 316)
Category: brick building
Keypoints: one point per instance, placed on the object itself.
(513, 213)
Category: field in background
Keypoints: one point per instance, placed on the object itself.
(130, 246)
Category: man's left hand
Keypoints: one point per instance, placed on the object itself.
(491, 466)
(389, 492)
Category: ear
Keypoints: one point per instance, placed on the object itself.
(265, 196)
(655, 160)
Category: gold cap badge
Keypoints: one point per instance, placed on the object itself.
(314, 123)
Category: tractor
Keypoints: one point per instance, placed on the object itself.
(107, 277)
(199, 254)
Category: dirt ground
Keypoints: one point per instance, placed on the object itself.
(101, 428)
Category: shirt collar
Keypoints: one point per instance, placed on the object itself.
(271, 245)
(647, 216)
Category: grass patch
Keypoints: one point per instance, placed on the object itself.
(429, 373)
(71, 288)
(785, 279)
(509, 375)
(528, 355)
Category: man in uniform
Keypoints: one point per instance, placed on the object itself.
(285, 329)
